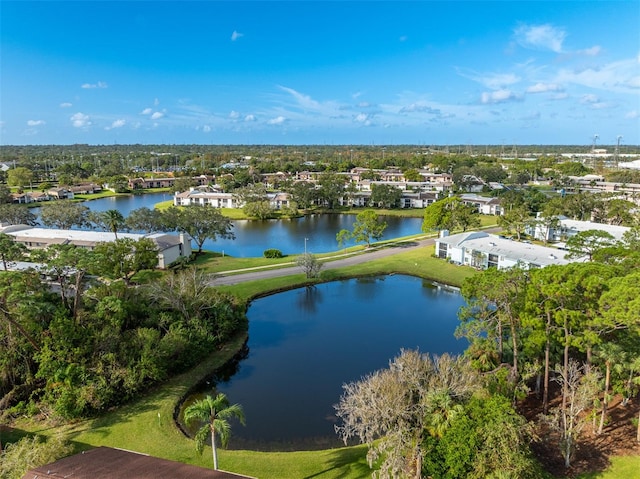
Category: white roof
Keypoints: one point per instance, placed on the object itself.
(73, 235)
(616, 231)
(513, 250)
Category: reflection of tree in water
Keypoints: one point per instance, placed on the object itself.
(309, 299)
(231, 367)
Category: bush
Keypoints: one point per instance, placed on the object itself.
(272, 253)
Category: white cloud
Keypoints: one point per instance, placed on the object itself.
(277, 121)
(559, 96)
(116, 124)
(634, 82)
(235, 35)
(490, 80)
(234, 115)
(419, 108)
(591, 52)
(589, 99)
(632, 115)
(303, 100)
(35, 122)
(157, 115)
(540, 37)
(543, 88)
(100, 84)
(498, 96)
(250, 118)
(621, 76)
(66, 105)
(362, 118)
(80, 120)
(147, 111)
(206, 128)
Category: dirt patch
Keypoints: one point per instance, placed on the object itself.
(594, 450)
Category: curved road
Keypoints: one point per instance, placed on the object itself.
(252, 274)
(346, 260)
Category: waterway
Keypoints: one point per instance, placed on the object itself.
(305, 343)
(315, 232)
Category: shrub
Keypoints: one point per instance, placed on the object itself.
(272, 253)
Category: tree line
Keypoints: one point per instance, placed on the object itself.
(569, 333)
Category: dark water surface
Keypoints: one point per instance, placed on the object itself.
(254, 236)
(305, 343)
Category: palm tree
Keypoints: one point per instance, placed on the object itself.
(214, 412)
(113, 220)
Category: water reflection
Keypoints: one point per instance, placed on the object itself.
(305, 343)
(253, 236)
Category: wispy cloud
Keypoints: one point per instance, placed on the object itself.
(80, 120)
(490, 80)
(235, 35)
(147, 111)
(498, 96)
(543, 88)
(540, 37)
(419, 108)
(591, 52)
(35, 122)
(157, 115)
(279, 120)
(100, 84)
(303, 100)
(66, 104)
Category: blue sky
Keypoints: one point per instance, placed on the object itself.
(303, 72)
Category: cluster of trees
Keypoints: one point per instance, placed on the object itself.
(90, 346)
(435, 417)
(577, 325)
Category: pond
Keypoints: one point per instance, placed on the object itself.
(305, 343)
(254, 236)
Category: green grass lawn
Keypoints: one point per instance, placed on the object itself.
(622, 467)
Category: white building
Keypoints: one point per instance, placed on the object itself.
(171, 247)
(484, 205)
(218, 199)
(568, 228)
(483, 250)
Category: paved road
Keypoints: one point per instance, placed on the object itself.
(225, 278)
(345, 260)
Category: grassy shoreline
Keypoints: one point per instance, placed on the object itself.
(146, 424)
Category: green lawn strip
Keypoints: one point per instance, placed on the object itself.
(340, 463)
(622, 467)
(146, 425)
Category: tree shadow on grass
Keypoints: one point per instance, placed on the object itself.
(350, 461)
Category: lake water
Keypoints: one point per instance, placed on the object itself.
(305, 343)
(254, 236)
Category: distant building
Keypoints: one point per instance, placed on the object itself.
(567, 228)
(218, 199)
(171, 247)
(483, 204)
(483, 250)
